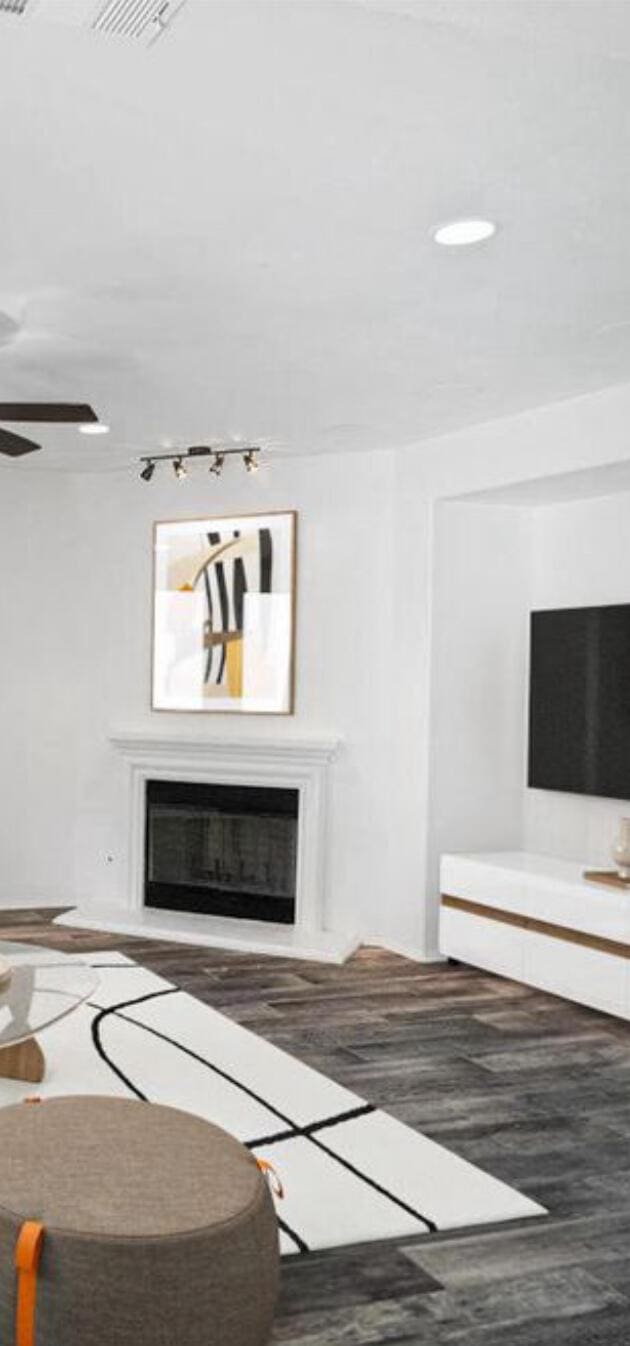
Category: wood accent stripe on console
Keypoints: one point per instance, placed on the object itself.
(538, 927)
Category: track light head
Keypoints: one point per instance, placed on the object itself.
(148, 470)
(179, 469)
(216, 466)
(250, 460)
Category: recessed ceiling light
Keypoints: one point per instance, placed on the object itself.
(94, 428)
(460, 233)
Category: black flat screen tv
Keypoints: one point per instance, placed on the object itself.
(579, 701)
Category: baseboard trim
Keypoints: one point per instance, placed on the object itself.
(33, 903)
(410, 951)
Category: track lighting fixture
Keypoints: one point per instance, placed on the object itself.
(251, 461)
(218, 455)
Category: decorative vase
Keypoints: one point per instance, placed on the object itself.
(621, 849)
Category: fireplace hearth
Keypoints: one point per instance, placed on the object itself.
(221, 850)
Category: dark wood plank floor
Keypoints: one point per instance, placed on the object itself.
(533, 1089)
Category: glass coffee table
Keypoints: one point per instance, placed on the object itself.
(42, 986)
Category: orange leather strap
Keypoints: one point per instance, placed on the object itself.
(28, 1251)
(272, 1177)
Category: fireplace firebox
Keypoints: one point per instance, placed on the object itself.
(221, 850)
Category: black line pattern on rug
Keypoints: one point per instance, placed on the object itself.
(334, 1120)
(294, 1128)
(98, 1042)
(188, 1051)
(296, 1238)
(376, 1186)
(291, 1234)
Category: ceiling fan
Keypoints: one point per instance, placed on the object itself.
(48, 413)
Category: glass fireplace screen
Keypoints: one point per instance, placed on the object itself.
(226, 850)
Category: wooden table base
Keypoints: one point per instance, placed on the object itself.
(24, 1061)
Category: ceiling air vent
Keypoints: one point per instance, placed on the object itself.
(143, 21)
(146, 19)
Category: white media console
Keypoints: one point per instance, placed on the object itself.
(535, 919)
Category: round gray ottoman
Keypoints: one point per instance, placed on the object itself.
(159, 1228)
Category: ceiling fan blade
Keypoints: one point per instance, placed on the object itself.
(50, 412)
(16, 445)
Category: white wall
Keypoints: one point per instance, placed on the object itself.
(585, 432)
(346, 657)
(41, 581)
(581, 556)
(581, 433)
(493, 564)
(373, 599)
(479, 671)
(566, 436)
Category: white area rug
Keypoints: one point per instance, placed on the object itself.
(350, 1172)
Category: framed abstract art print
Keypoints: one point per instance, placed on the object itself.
(224, 614)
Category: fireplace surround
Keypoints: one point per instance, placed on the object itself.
(301, 766)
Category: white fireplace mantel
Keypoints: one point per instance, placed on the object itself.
(287, 764)
(301, 764)
(308, 752)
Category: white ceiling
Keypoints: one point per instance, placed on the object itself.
(228, 234)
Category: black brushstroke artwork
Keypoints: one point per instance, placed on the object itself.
(219, 570)
(208, 627)
(232, 584)
(266, 560)
(240, 589)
